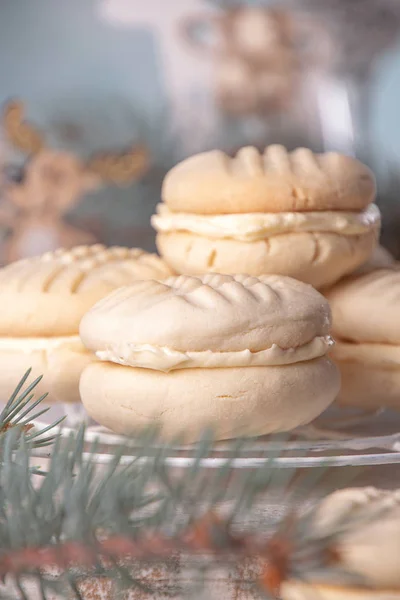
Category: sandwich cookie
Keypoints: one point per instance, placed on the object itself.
(244, 355)
(366, 327)
(309, 216)
(380, 259)
(43, 300)
(364, 525)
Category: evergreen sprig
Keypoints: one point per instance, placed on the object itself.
(87, 523)
(80, 520)
(19, 412)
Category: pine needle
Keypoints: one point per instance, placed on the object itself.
(19, 412)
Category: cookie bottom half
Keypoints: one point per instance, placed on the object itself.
(61, 368)
(303, 591)
(235, 402)
(320, 259)
(370, 374)
(367, 387)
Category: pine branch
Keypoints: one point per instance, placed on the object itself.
(207, 535)
(20, 411)
(88, 522)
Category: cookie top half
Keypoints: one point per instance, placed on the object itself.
(220, 313)
(273, 181)
(47, 295)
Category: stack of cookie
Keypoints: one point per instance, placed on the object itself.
(300, 214)
(246, 354)
(367, 334)
(180, 352)
(309, 216)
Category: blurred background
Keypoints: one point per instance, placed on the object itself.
(96, 80)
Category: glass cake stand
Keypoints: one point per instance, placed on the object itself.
(338, 438)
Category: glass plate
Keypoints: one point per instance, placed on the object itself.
(338, 438)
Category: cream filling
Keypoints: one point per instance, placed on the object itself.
(162, 358)
(33, 344)
(251, 227)
(384, 356)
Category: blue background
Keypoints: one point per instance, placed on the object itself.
(70, 66)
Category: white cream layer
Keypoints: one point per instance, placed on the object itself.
(162, 358)
(251, 227)
(33, 344)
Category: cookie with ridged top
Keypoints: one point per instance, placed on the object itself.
(366, 307)
(241, 354)
(47, 295)
(43, 300)
(380, 259)
(211, 312)
(366, 326)
(304, 215)
(365, 525)
(353, 504)
(273, 181)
